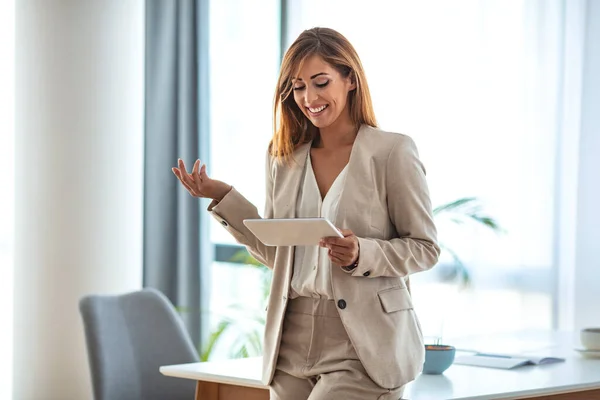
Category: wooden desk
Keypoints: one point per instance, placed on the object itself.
(577, 378)
(224, 380)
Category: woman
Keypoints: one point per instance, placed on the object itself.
(340, 322)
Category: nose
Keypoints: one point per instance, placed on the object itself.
(310, 95)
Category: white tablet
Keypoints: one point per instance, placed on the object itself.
(292, 231)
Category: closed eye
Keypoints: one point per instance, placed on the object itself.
(319, 85)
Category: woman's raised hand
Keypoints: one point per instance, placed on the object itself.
(198, 184)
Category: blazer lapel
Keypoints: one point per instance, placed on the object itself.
(289, 183)
(356, 176)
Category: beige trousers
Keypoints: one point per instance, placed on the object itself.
(317, 360)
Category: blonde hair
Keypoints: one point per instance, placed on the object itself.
(291, 126)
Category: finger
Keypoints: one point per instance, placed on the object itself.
(336, 260)
(346, 232)
(181, 165)
(195, 175)
(185, 176)
(177, 173)
(187, 187)
(339, 249)
(341, 242)
(342, 255)
(203, 174)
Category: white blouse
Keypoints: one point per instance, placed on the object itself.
(312, 266)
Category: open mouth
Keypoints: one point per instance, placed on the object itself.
(316, 111)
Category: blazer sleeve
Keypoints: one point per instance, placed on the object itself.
(415, 249)
(234, 208)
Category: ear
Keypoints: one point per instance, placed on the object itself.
(351, 80)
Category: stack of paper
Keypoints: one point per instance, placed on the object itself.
(504, 361)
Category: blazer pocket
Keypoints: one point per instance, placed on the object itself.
(395, 299)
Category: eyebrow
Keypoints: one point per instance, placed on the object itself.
(312, 77)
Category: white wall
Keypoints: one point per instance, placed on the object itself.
(79, 173)
(7, 70)
(587, 274)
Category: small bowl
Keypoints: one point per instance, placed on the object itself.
(590, 338)
(438, 358)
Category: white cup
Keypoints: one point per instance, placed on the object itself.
(590, 338)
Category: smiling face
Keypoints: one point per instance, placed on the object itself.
(321, 92)
(331, 97)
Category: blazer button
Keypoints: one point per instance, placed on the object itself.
(224, 223)
(367, 273)
(342, 304)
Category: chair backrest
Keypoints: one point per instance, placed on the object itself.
(128, 338)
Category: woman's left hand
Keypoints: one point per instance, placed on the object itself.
(342, 251)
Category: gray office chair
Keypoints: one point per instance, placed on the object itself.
(128, 338)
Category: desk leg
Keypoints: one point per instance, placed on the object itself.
(207, 390)
(219, 391)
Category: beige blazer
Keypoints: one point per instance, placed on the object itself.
(386, 203)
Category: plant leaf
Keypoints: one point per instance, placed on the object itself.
(241, 352)
(461, 272)
(486, 221)
(454, 205)
(242, 256)
(213, 339)
(255, 340)
(469, 208)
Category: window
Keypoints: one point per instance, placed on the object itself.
(244, 62)
(476, 84)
